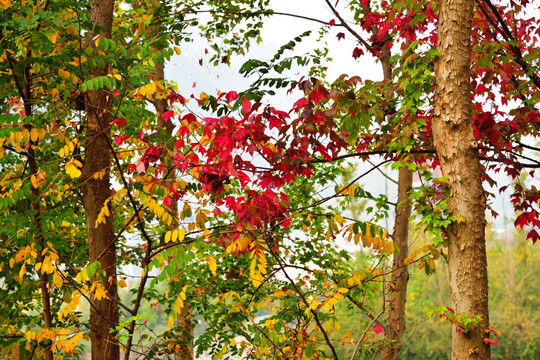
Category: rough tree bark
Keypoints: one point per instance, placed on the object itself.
(184, 318)
(457, 151)
(96, 191)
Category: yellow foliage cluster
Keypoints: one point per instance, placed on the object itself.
(430, 251)
(175, 235)
(68, 148)
(155, 208)
(72, 168)
(382, 243)
(62, 338)
(149, 89)
(104, 212)
(22, 136)
(70, 307)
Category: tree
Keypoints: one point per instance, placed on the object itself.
(453, 139)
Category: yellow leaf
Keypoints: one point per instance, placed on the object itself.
(178, 305)
(33, 135)
(212, 265)
(175, 235)
(357, 238)
(160, 212)
(71, 147)
(170, 322)
(181, 234)
(332, 301)
(117, 76)
(54, 37)
(100, 292)
(18, 136)
(177, 50)
(22, 271)
(122, 283)
(168, 236)
(57, 280)
(105, 210)
(204, 98)
(34, 181)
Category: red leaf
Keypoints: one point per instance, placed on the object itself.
(533, 235)
(357, 52)
(332, 22)
(131, 168)
(167, 115)
(174, 96)
(119, 122)
(116, 93)
(340, 36)
(299, 104)
(231, 95)
(378, 329)
(167, 201)
(119, 140)
(246, 105)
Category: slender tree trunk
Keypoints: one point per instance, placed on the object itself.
(104, 313)
(43, 278)
(33, 167)
(395, 326)
(184, 318)
(457, 151)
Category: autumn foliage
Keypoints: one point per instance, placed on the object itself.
(249, 233)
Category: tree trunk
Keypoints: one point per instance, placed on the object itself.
(104, 313)
(457, 152)
(395, 326)
(184, 318)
